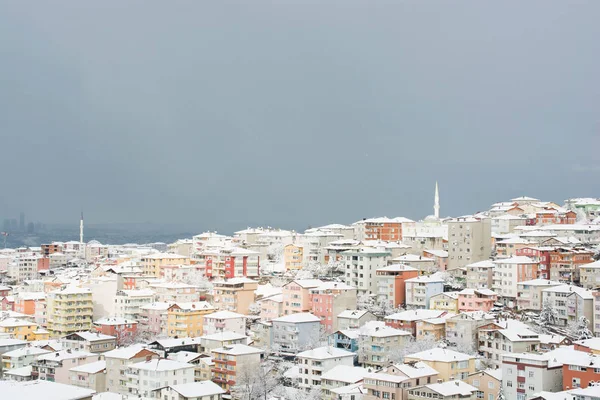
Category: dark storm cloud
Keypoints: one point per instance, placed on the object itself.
(294, 112)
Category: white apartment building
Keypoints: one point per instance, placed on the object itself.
(570, 303)
(315, 244)
(509, 272)
(222, 321)
(314, 363)
(529, 293)
(506, 337)
(146, 377)
(117, 362)
(480, 274)
(361, 268)
(525, 374)
(129, 303)
(469, 241)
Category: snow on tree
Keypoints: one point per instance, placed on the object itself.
(379, 307)
(548, 315)
(257, 383)
(275, 252)
(414, 346)
(254, 308)
(579, 329)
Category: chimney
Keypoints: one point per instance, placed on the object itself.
(456, 383)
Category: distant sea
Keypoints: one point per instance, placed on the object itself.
(104, 233)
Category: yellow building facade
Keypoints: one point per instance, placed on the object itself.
(151, 264)
(446, 301)
(69, 310)
(292, 257)
(187, 319)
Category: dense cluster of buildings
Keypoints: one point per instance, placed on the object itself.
(501, 304)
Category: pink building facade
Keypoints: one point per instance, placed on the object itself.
(476, 300)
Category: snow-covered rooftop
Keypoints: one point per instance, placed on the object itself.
(41, 389)
(198, 389)
(325, 352)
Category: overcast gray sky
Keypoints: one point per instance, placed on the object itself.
(294, 113)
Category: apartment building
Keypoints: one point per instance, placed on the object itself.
(314, 363)
(590, 275)
(529, 293)
(296, 295)
(314, 245)
(271, 307)
(25, 302)
(125, 330)
(147, 377)
(419, 290)
(22, 357)
(222, 321)
(294, 333)
(22, 329)
(328, 300)
(469, 241)
(445, 301)
(231, 262)
(152, 263)
(508, 273)
(525, 374)
(391, 283)
(54, 367)
(202, 390)
(424, 265)
(444, 390)
(394, 381)
(89, 376)
(570, 303)
(580, 370)
(407, 320)
(338, 377)
(488, 383)
(376, 342)
(221, 339)
(235, 295)
(173, 292)
(69, 310)
(354, 319)
(361, 268)
(89, 342)
(464, 327)
(233, 361)
(154, 318)
(476, 299)
(129, 303)
(293, 257)
(540, 254)
(383, 228)
(433, 328)
(448, 363)
(565, 264)
(480, 274)
(117, 362)
(498, 338)
(187, 319)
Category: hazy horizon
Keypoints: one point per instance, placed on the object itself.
(293, 114)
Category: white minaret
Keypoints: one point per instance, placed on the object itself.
(436, 202)
(81, 230)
